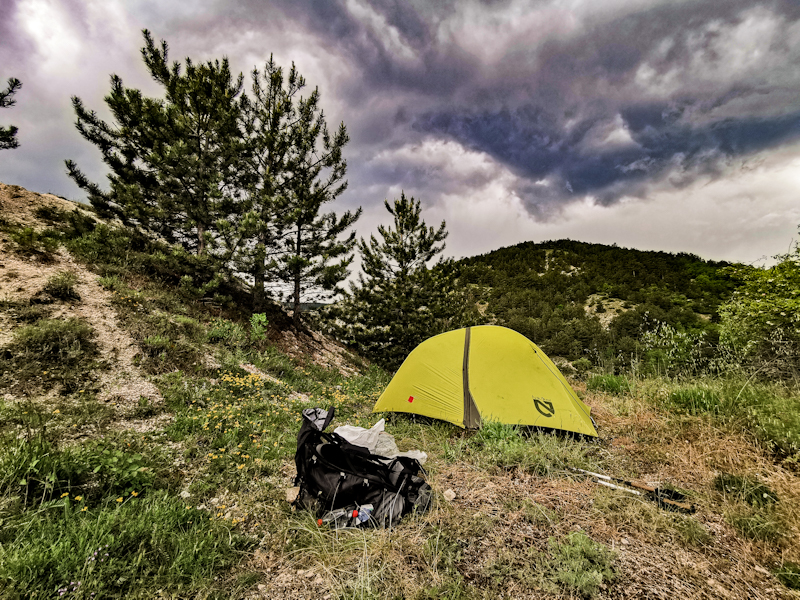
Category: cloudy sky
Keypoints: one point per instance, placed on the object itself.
(655, 124)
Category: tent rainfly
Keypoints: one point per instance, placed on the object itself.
(485, 373)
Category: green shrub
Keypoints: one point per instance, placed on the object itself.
(258, 326)
(23, 312)
(118, 471)
(156, 345)
(581, 564)
(582, 365)
(49, 213)
(229, 333)
(103, 245)
(50, 351)
(112, 283)
(29, 242)
(775, 420)
(612, 384)
(62, 286)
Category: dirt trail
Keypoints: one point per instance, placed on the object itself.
(123, 383)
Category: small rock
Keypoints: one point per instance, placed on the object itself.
(449, 495)
(184, 494)
(300, 571)
(291, 494)
(310, 574)
(261, 587)
(625, 541)
(319, 580)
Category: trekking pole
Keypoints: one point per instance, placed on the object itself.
(660, 496)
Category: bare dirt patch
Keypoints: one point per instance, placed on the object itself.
(18, 205)
(122, 385)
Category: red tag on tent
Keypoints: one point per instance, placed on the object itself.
(411, 398)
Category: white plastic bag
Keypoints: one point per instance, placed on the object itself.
(358, 436)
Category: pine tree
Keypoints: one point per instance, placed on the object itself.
(296, 167)
(8, 135)
(398, 301)
(315, 258)
(173, 161)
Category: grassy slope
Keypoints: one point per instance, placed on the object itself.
(184, 491)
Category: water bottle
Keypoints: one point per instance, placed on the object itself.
(338, 518)
(364, 513)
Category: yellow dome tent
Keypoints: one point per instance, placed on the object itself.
(485, 373)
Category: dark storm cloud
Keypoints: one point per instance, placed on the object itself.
(537, 107)
(606, 99)
(535, 147)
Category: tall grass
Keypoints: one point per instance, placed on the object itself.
(127, 547)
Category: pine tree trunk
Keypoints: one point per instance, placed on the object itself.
(259, 294)
(296, 311)
(201, 240)
(260, 276)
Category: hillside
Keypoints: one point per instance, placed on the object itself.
(147, 438)
(597, 302)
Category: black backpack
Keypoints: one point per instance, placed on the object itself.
(339, 480)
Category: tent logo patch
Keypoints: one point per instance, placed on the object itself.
(544, 407)
(411, 398)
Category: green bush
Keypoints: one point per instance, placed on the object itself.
(103, 245)
(112, 283)
(582, 365)
(229, 333)
(775, 420)
(118, 471)
(62, 286)
(50, 351)
(761, 321)
(612, 384)
(49, 213)
(29, 242)
(258, 326)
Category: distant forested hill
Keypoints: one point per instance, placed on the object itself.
(598, 302)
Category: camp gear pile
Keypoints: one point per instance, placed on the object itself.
(346, 485)
(485, 373)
